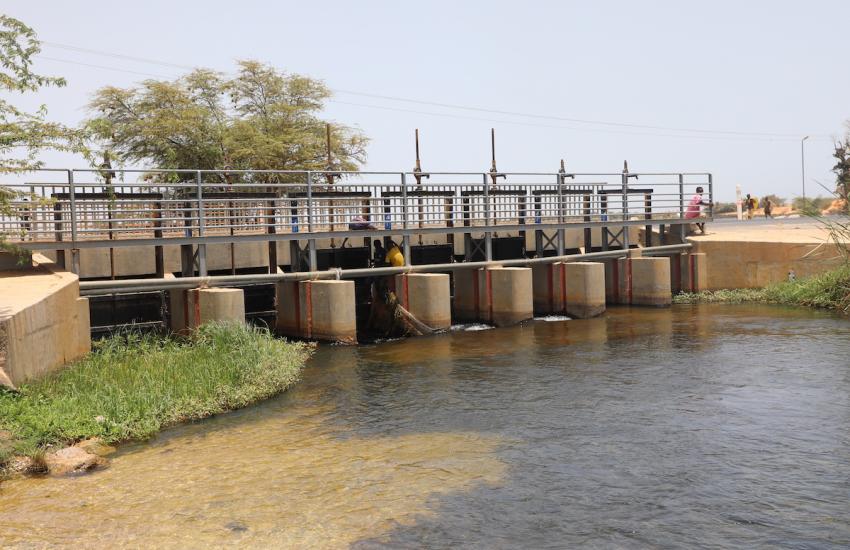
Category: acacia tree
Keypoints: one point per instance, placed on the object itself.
(259, 119)
(23, 135)
(842, 171)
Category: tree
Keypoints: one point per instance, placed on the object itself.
(842, 171)
(259, 119)
(24, 135)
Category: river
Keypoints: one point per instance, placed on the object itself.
(714, 425)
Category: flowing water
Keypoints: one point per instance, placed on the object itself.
(714, 426)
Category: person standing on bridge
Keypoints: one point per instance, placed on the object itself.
(695, 209)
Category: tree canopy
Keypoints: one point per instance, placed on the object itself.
(842, 171)
(24, 135)
(258, 119)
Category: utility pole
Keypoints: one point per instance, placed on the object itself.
(494, 173)
(803, 164)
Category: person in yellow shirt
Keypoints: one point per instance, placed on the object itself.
(394, 256)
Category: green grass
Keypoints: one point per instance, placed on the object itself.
(830, 290)
(132, 386)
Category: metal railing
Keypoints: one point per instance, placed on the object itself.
(70, 209)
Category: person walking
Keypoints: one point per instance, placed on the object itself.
(768, 208)
(751, 203)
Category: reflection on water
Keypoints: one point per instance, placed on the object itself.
(702, 425)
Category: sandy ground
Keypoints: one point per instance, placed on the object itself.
(788, 230)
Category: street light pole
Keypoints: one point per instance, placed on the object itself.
(803, 164)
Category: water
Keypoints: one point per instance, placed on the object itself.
(711, 426)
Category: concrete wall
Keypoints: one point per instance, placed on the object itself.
(739, 264)
(44, 324)
(140, 261)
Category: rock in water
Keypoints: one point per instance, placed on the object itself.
(71, 460)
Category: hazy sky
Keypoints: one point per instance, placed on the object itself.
(765, 72)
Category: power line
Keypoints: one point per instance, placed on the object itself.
(539, 125)
(47, 58)
(116, 55)
(567, 119)
(750, 136)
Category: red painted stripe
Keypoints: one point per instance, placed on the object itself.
(549, 277)
(186, 320)
(489, 293)
(475, 293)
(629, 280)
(693, 272)
(197, 307)
(406, 287)
(309, 299)
(616, 273)
(564, 286)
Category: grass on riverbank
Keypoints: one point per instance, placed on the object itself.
(830, 290)
(132, 386)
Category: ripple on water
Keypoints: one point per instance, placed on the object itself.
(715, 426)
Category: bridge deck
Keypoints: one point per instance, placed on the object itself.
(47, 214)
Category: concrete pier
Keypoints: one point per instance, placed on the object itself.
(501, 296)
(192, 308)
(427, 296)
(584, 289)
(645, 281)
(317, 310)
(694, 270)
(548, 281)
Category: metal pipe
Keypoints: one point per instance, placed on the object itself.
(89, 288)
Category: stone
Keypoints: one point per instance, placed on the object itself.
(71, 460)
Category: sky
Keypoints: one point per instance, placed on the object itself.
(724, 87)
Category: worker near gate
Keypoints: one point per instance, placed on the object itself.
(394, 256)
(379, 257)
(695, 209)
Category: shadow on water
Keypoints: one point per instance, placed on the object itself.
(715, 425)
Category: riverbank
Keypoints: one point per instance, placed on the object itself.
(829, 290)
(132, 386)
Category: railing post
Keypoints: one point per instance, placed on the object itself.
(625, 209)
(561, 236)
(682, 228)
(311, 242)
(75, 252)
(202, 247)
(488, 235)
(711, 197)
(405, 239)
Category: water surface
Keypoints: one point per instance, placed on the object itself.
(715, 426)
